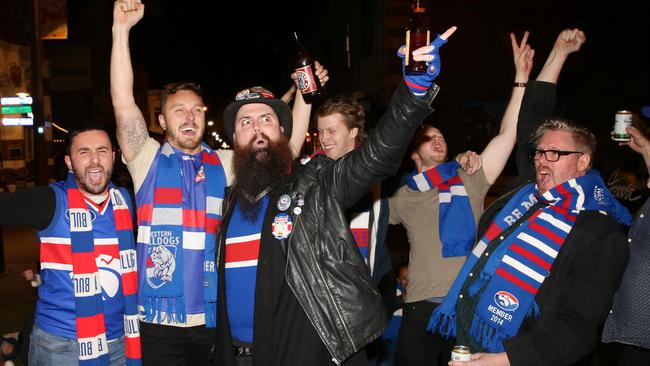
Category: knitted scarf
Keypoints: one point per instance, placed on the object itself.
(172, 230)
(519, 264)
(456, 220)
(91, 328)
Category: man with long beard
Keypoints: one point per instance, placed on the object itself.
(293, 288)
(86, 309)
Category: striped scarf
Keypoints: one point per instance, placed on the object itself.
(167, 229)
(91, 327)
(518, 265)
(456, 220)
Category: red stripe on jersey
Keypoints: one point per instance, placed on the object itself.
(360, 236)
(113, 250)
(56, 253)
(246, 251)
(531, 256)
(90, 326)
(526, 287)
(168, 196)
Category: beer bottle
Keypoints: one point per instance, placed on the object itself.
(305, 71)
(417, 35)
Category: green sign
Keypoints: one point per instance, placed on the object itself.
(16, 109)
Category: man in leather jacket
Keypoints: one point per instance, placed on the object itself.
(293, 288)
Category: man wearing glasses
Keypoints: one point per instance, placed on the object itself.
(541, 279)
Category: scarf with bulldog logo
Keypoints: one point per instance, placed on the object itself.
(517, 266)
(169, 229)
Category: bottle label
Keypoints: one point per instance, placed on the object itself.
(306, 79)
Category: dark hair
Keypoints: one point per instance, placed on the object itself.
(174, 88)
(351, 110)
(91, 126)
(584, 139)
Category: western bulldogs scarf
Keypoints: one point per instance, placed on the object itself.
(173, 229)
(517, 267)
(91, 328)
(456, 220)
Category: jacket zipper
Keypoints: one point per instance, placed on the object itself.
(320, 272)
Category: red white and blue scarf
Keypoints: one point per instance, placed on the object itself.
(172, 229)
(456, 224)
(518, 266)
(91, 327)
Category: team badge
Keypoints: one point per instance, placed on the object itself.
(282, 226)
(200, 175)
(284, 202)
(506, 301)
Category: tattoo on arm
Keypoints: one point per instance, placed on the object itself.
(133, 135)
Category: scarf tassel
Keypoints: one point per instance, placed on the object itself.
(175, 311)
(211, 314)
(445, 324)
(491, 339)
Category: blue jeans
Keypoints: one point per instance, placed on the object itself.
(46, 349)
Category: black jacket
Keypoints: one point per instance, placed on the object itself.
(324, 269)
(577, 295)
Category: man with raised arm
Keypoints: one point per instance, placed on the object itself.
(438, 208)
(293, 287)
(179, 191)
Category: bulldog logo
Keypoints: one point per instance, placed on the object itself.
(506, 301)
(161, 264)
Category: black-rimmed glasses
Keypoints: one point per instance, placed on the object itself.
(550, 155)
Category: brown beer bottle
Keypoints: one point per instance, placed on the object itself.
(305, 71)
(417, 35)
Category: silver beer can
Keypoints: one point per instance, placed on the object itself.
(622, 121)
(460, 353)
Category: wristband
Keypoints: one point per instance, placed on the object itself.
(519, 85)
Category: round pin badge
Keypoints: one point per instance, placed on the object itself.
(284, 202)
(297, 210)
(282, 226)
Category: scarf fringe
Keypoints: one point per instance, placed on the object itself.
(175, 311)
(491, 339)
(211, 314)
(445, 324)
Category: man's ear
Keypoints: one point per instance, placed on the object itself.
(161, 121)
(68, 162)
(584, 162)
(354, 132)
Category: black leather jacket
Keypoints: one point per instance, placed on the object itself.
(324, 268)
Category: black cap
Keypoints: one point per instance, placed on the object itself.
(256, 94)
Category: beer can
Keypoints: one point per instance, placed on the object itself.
(622, 121)
(460, 353)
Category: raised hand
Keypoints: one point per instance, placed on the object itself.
(127, 12)
(569, 40)
(523, 57)
(419, 84)
(470, 162)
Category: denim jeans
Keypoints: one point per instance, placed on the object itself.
(46, 349)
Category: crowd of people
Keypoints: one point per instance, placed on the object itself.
(252, 257)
